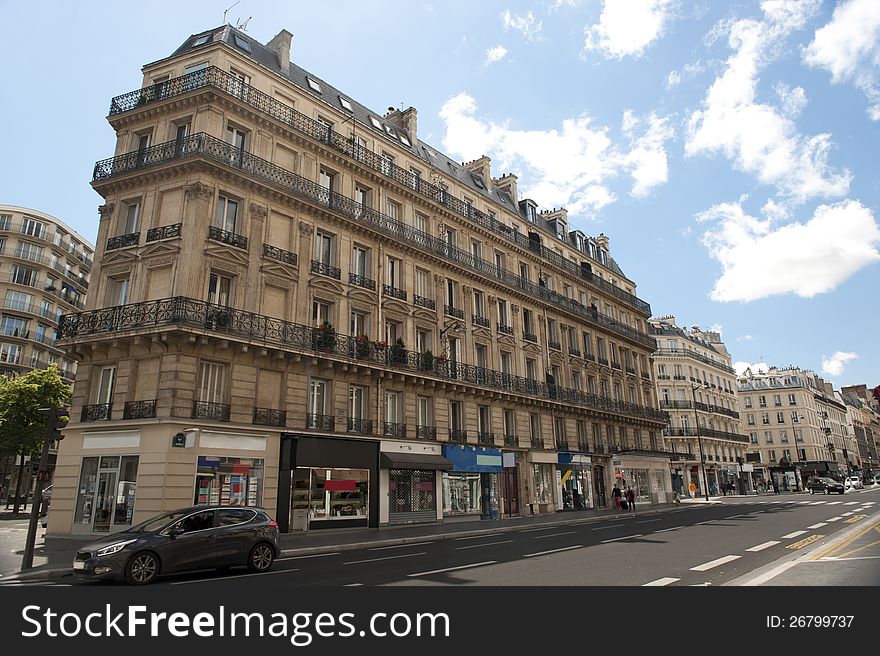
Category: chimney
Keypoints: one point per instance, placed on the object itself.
(280, 45)
(480, 166)
(507, 184)
(405, 121)
(602, 241)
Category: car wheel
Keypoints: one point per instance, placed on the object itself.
(261, 557)
(827, 491)
(142, 568)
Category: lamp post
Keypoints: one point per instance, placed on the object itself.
(456, 327)
(700, 440)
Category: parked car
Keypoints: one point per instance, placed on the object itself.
(824, 485)
(201, 537)
(855, 483)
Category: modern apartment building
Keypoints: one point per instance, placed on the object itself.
(696, 385)
(301, 305)
(44, 272)
(796, 425)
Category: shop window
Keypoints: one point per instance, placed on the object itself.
(106, 493)
(325, 494)
(461, 493)
(229, 481)
(542, 483)
(411, 491)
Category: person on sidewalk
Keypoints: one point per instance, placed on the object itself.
(692, 488)
(631, 499)
(616, 494)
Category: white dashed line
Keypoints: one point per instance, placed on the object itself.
(238, 576)
(373, 560)
(602, 528)
(714, 563)
(664, 530)
(834, 503)
(846, 514)
(626, 537)
(543, 553)
(793, 535)
(483, 544)
(818, 525)
(834, 519)
(335, 553)
(553, 535)
(850, 503)
(660, 582)
(452, 569)
(765, 545)
(401, 546)
(818, 503)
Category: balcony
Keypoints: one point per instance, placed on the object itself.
(391, 429)
(360, 426)
(210, 411)
(121, 241)
(426, 432)
(421, 301)
(228, 238)
(270, 417)
(458, 435)
(575, 351)
(615, 365)
(477, 320)
(164, 232)
(678, 377)
(96, 412)
(630, 370)
(230, 323)
(695, 356)
(562, 443)
(361, 281)
(218, 79)
(530, 337)
(450, 311)
(320, 422)
(394, 292)
(705, 432)
(537, 442)
(279, 254)
(589, 356)
(505, 329)
(139, 409)
(603, 361)
(326, 270)
(485, 438)
(583, 445)
(511, 440)
(554, 345)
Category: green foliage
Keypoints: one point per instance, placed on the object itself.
(22, 429)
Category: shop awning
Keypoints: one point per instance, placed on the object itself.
(392, 460)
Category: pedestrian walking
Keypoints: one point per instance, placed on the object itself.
(616, 494)
(631, 499)
(692, 488)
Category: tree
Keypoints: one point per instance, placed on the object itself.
(22, 428)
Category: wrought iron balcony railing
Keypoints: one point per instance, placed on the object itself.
(164, 232)
(209, 410)
(450, 311)
(505, 329)
(485, 438)
(687, 353)
(320, 422)
(562, 443)
(121, 241)
(426, 432)
(705, 432)
(207, 147)
(226, 237)
(217, 78)
(477, 320)
(139, 409)
(231, 322)
(530, 337)
(360, 426)
(279, 254)
(589, 355)
(391, 429)
(394, 292)
(575, 351)
(511, 440)
(458, 435)
(270, 417)
(421, 301)
(554, 345)
(361, 281)
(326, 270)
(536, 442)
(96, 412)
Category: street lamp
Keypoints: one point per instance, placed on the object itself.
(694, 389)
(456, 327)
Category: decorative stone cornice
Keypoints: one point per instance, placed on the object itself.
(106, 210)
(306, 228)
(198, 191)
(258, 211)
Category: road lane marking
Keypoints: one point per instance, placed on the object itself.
(762, 546)
(453, 569)
(818, 525)
(352, 585)
(545, 528)
(800, 544)
(627, 537)
(834, 519)
(401, 546)
(373, 560)
(674, 528)
(553, 535)
(848, 541)
(602, 528)
(847, 514)
(320, 555)
(708, 521)
(484, 544)
(714, 563)
(479, 537)
(794, 534)
(854, 519)
(835, 558)
(817, 503)
(236, 576)
(850, 503)
(659, 582)
(834, 503)
(543, 553)
(648, 521)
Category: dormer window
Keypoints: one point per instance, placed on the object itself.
(314, 85)
(242, 43)
(404, 140)
(375, 122)
(202, 40)
(345, 104)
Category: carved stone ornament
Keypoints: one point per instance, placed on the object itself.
(466, 290)
(515, 309)
(199, 191)
(438, 279)
(441, 228)
(106, 210)
(258, 211)
(306, 228)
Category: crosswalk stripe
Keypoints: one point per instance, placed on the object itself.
(659, 582)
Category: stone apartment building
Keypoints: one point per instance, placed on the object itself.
(864, 420)
(696, 385)
(45, 268)
(300, 305)
(795, 415)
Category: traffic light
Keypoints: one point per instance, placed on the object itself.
(56, 419)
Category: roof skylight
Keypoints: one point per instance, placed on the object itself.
(345, 104)
(375, 122)
(314, 85)
(202, 40)
(241, 43)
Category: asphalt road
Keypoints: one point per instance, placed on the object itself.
(694, 545)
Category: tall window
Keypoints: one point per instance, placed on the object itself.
(219, 289)
(392, 407)
(479, 303)
(359, 265)
(117, 291)
(359, 323)
(33, 227)
(321, 312)
(394, 272)
(451, 292)
(484, 420)
(236, 138)
(106, 377)
(324, 249)
(357, 402)
(213, 382)
(535, 428)
(422, 284)
(424, 340)
(226, 217)
(509, 422)
(132, 218)
(318, 394)
(456, 420)
(502, 313)
(423, 411)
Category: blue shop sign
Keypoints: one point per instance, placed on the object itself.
(569, 458)
(473, 459)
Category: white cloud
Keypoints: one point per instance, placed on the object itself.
(759, 138)
(568, 167)
(495, 54)
(761, 259)
(524, 23)
(740, 367)
(674, 78)
(715, 328)
(848, 47)
(792, 100)
(745, 338)
(626, 29)
(834, 365)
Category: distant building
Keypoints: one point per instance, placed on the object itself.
(865, 421)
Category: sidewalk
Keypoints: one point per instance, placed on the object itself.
(57, 552)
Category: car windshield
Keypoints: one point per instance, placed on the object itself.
(157, 522)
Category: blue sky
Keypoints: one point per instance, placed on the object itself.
(727, 150)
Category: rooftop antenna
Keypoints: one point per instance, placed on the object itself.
(243, 26)
(225, 12)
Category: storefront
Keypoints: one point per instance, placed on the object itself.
(470, 488)
(510, 492)
(229, 481)
(411, 473)
(540, 481)
(573, 481)
(105, 494)
(646, 473)
(326, 483)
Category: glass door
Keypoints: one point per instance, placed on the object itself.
(105, 494)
